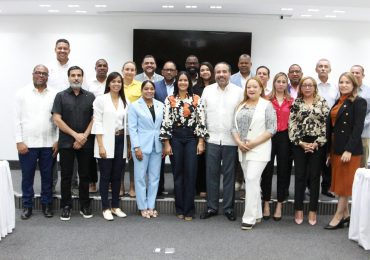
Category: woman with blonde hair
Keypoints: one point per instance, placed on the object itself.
(307, 132)
(282, 102)
(345, 125)
(254, 125)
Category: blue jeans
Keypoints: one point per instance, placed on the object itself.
(28, 161)
(110, 172)
(184, 149)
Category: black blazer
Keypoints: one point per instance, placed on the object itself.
(348, 127)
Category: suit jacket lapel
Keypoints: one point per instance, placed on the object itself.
(145, 108)
(341, 109)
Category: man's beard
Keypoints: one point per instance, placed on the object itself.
(76, 85)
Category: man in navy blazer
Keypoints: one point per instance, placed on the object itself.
(163, 89)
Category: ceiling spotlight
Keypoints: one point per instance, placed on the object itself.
(81, 11)
(215, 7)
(339, 11)
(168, 6)
(73, 6)
(53, 11)
(313, 10)
(100, 6)
(286, 9)
(330, 16)
(44, 5)
(306, 15)
(191, 6)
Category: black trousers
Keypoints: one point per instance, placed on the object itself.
(325, 172)
(307, 167)
(201, 176)
(110, 172)
(67, 157)
(280, 149)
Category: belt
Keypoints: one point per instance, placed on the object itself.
(120, 132)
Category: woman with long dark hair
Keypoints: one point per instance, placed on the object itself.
(183, 132)
(109, 127)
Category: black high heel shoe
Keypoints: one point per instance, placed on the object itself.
(339, 225)
(346, 221)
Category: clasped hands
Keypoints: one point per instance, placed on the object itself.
(246, 145)
(80, 140)
(309, 147)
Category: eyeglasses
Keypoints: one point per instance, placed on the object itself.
(295, 71)
(39, 73)
(307, 86)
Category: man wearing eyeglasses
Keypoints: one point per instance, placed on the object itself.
(36, 139)
(163, 89)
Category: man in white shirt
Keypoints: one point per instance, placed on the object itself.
(327, 90)
(36, 139)
(364, 92)
(220, 100)
(97, 84)
(58, 68)
(330, 93)
(244, 64)
(97, 87)
(149, 66)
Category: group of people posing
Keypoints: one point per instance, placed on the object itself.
(209, 122)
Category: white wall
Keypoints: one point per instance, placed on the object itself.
(29, 40)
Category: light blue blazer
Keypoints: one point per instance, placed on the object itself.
(144, 133)
(236, 79)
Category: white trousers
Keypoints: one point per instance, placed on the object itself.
(252, 175)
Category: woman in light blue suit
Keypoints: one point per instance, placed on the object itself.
(144, 121)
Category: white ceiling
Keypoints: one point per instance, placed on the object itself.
(336, 10)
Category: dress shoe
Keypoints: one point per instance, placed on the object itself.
(209, 213)
(47, 210)
(277, 218)
(26, 214)
(312, 218)
(328, 194)
(337, 226)
(188, 218)
(346, 221)
(230, 215)
(266, 217)
(298, 218)
(246, 226)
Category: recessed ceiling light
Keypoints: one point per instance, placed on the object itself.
(100, 6)
(53, 11)
(73, 6)
(191, 6)
(313, 10)
(330, 16)
(339, 11)
(168, 6)
(215, 7)
(44, 5)
(306, 15)
(81, 11)
(286, 9)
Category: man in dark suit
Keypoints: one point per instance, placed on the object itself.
(163, 89)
